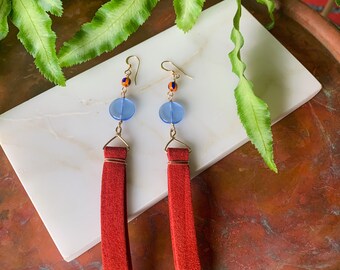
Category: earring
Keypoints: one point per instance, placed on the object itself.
(114, 229)
(182, 227)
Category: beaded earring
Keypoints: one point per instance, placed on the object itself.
(114, 229)
(182, 227)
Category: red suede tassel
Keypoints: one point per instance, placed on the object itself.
(114, 229)
(183, 235)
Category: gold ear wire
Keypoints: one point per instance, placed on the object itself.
(173, 72)
(128, 71)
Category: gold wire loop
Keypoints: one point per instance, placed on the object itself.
(123, 92)
(174, 139)
(170, 95)
(128, 71)
(173, 72)
(121, 139)
(172, 131)
(119, 128)
(118, 136)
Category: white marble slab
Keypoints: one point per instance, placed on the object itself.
(54, 141)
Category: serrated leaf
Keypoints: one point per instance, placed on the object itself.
(112, 24)
(36, 35)
(271, 8)
(337, 2)
(253, 112)
(187, 13)
(5, 9)
(54, 7)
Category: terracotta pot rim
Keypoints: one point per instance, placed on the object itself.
(325, 32)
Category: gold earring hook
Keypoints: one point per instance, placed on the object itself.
(173, 71)
(128, 71)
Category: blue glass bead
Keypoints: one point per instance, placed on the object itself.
(122, 109)
(171, 112)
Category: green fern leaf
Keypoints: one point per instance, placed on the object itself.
(5, 9)
(54, 7)
(187, 13)
(253, 112)
(111, 25)
(36, 35)
(271, 8)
